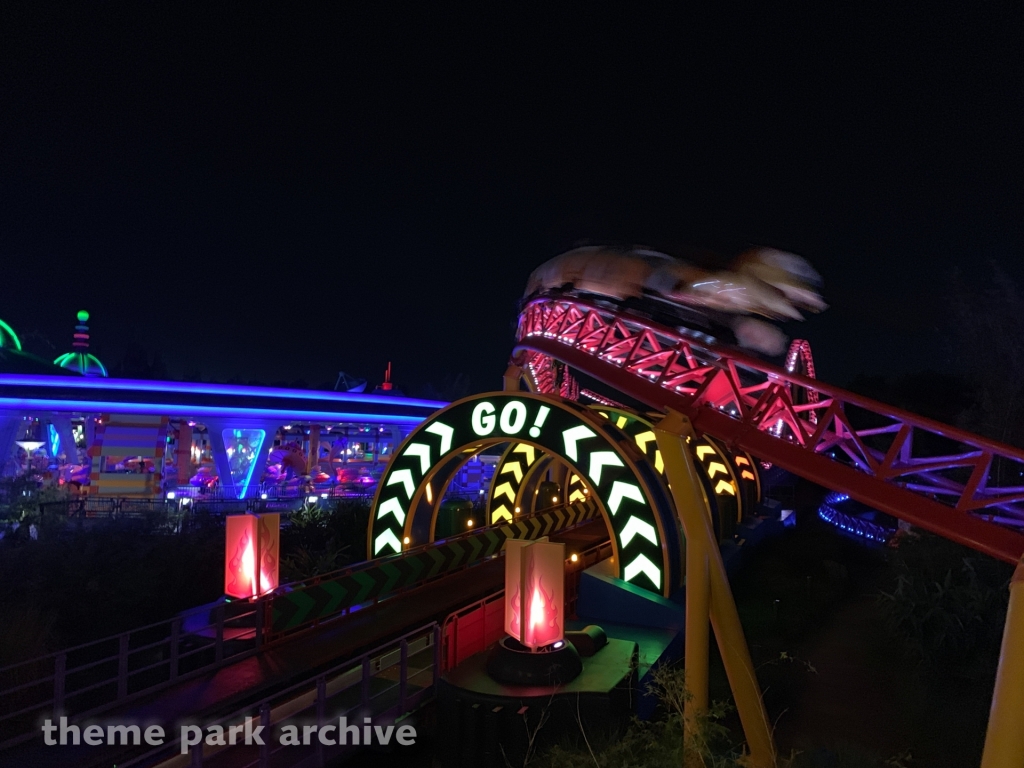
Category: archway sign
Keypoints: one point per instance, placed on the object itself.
(631, 498)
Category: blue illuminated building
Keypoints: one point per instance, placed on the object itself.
(126, 437)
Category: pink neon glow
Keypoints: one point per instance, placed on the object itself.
(656, 365)
(242, 568)
(542, 626)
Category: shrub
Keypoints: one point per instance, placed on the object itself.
(947, 604)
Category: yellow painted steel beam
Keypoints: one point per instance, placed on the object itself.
(671, 434)
(1004, 739)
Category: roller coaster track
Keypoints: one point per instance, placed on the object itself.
(946, 480)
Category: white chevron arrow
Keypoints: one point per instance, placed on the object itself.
(386, 539)
(715, 467)
(515, 469)
(644, 566)
(620, 491)
(403, 476)
(392, 507)
(573, 436)
(443, 431)
(423, 451)
(506, 490)
(601, 459)
(704, 450)
(643, 439)
(527, 450)
(637, 526)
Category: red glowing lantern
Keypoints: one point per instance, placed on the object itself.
(535, 592)
(251, 554)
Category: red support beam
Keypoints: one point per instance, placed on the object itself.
(741, 400)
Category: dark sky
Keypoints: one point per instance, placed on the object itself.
(261, 192)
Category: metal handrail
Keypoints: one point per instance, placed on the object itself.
(56, 680)
(314, 692)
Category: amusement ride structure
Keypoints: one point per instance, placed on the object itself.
(671, 475)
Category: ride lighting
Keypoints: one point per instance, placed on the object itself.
(251, 554)
(323, 495)
(469, 523)
(554, 499)
(535, 592)
(312, 499)
(517, 510)
(574, 557)
(263, 496)
(405, 540)
(171, 495)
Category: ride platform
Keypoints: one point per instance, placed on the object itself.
(488, 724)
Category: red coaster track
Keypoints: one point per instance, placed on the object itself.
(940, 478)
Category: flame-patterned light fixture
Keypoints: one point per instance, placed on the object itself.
(535, 592)
(251, 555)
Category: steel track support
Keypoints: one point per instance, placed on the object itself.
(1004, 739)
(708, 595)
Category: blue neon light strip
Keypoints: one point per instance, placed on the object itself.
(865, 529)
(199, 411)
(138, 385)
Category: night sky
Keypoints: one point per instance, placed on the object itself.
(261, 193)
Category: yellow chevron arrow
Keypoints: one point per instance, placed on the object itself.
(715, 467)
(505, 488)
(501, 513)
(742, 460)
(621, 422)
(527, 449)
(724, 486)
(515, 469)
(746, 474)
(659, 463)
(576, 496)
(643, 439)
(704, 450)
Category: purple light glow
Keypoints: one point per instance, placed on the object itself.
(172, 409)
(209, 389)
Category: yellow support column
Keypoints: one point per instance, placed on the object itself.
(513, 375)
(671, 433)
(698, 632)
(1004, 739)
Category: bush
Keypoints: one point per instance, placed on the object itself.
(323, 539)
(660, 743)
(948, 603)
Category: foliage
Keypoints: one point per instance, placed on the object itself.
(320, 539)
(948, 603)
(660, 743)
(104, 579)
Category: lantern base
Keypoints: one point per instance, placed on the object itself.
(512, 663)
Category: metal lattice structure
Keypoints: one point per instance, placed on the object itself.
(946, 480)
